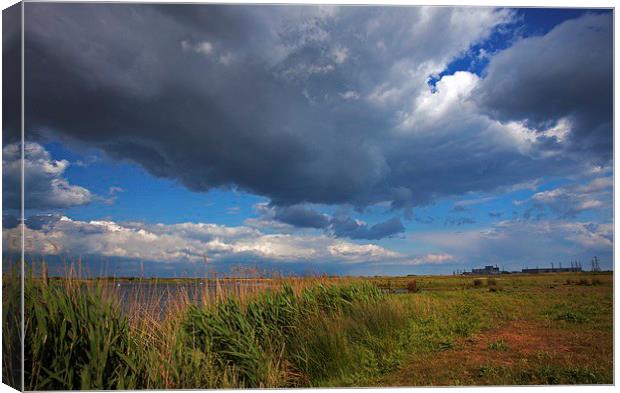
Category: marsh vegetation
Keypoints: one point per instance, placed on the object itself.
(321, 331)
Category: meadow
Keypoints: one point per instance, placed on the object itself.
(318, 332)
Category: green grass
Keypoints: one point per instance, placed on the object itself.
(316, 333)
(11, 326)
(452, 317)
(77, 337)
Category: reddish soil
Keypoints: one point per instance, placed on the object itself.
(517, 344)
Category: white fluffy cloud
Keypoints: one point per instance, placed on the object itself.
(45, 186)
(191, 242)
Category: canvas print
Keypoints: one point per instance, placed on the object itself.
(203, 196)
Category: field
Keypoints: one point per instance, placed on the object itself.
(311, 332)
(517, 329)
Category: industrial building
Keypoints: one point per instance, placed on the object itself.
(493, 270)
(487, 270)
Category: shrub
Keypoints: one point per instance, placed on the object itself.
(478, 282)
(412, 286)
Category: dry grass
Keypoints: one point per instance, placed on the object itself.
(211, 333)
(318, 331)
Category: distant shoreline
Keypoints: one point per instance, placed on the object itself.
(305, 278)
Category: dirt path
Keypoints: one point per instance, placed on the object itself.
(518, 352)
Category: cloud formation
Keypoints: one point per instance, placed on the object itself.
(568, 201)
(324, 105)
(344, 226)
(565, 74)
(60, 235)
(301, 216)
(339, 225)
(45, 186)
(344, 108)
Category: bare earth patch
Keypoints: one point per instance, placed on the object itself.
(488, 357)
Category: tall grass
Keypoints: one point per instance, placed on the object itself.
(75, 339)
(78, 336)
(286, 332)
(11, 325)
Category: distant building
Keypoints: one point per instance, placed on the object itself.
(487, 270)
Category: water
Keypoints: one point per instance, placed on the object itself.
(160, 296)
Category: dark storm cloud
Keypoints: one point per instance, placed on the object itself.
(11, 74)
(301, 216)
(348, 227)
(40, 221)
(9, 221)
(298, 104)
(123, 82)
(566, 73)
(340, 225)
(11, 102)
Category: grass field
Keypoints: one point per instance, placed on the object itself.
(517, 329)
(442, 331)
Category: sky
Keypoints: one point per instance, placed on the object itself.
(173, 140)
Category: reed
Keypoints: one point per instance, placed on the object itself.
(11, 325)
(80, 334)
(299, 331)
